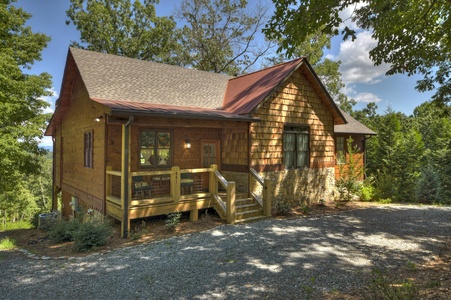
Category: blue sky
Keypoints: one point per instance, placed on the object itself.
(364, 82)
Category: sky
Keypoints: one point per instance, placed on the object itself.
(364, 82)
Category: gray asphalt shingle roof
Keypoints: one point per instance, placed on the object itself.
(125, 79)
(353, 126)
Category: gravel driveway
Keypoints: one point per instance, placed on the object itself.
(274, 259)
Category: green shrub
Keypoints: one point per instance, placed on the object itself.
(91, 234)
(7, 244)
(283, 207)
(63, 231)
(173, 220)
(367, 190)
(21, 224)
(385, 186)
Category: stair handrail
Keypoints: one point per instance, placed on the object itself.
(230, 187)
(265, 200)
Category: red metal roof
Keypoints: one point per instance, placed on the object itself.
(245, 93)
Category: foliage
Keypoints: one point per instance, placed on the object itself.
(7, 243)
(351, 172)
(16, 225)
(367, 190)
(91, 234)
(86, 231)
(428, 189)
(395, 26)
(382, 288)
(22, 117)
(63, 231)
(124, 27)
(173, 220)
(220, 36)
(283, 207)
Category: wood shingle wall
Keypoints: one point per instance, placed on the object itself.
(295, 102)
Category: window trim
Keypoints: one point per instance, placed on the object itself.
(156, 131)
(341, 159)
(88, 149)
(297, 129)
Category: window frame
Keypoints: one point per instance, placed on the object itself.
(155, 148)
(298, 130)
(88, 149)
(341, 153)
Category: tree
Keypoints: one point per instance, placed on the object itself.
(220, 36)
(124, 27)
(412, 36)
(22, 118)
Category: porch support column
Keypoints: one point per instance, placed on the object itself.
(125, 179)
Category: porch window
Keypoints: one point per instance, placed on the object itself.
(341, 156)
(155, 149)
(88, 148)
(296, 147)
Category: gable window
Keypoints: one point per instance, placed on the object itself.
(341, 156)
(155, 148)
(88, 148)
(296, 146)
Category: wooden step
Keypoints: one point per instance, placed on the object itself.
(248, 214)
(250, 219)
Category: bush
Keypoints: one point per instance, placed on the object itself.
(367, 191)
(7, 244)
(63, 231)
(91, 234)
(282, 207)
(173, 220)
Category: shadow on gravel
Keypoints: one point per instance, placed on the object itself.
(275, 259)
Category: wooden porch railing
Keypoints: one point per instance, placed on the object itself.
(265, 199)
(224, 204)
(226, 207)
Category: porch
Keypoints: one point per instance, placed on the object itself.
(150, 193)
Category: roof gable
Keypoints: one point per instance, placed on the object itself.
(245, 93)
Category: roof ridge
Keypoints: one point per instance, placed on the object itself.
(268, 68)
(150, 61)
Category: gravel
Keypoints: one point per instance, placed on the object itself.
(274, 259)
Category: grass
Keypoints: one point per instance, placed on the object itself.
(7, 244)
(15, 225)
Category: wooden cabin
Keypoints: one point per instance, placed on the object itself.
(135, 138)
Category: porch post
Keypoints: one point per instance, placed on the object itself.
(213, 185)
(231, 196)
(125, 180)
(267, 197)
(175, 183)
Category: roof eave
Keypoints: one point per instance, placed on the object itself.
(140, 113)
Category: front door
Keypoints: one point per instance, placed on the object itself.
(210, 153)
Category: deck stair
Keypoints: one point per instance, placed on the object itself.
(248, 210)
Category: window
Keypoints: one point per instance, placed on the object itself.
(88, 148)
(155, 149)
(296, 147)
(341, 155)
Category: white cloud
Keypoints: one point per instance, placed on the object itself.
(367, 98)
(51, 100)
(356, 65)
(347, 14)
